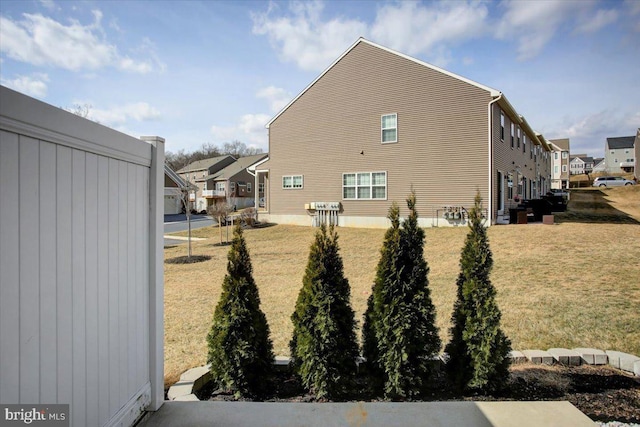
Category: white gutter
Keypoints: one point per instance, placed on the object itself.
(490, 131)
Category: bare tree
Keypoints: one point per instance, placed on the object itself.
(185, 194)
(221, 212)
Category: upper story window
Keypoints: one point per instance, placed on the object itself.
(518, 133)
(501, 126)
(249, 187)
(292, 182)
(524, 143)
(512, 134)
(555, 155)
(389, 128)
(564, 154)
(364, 185)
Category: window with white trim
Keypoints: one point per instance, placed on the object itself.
(564, 168)
(292, 182)
(389, 128)
(564, 154)
(518, 131)
(261, 187)
(501, 126)
(364, 186)
(512, 134)
(248, 187)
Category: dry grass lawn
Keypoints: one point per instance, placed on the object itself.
(567, 285)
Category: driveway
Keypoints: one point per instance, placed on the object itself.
(176, 223)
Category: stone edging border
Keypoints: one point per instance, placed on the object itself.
(194, 379)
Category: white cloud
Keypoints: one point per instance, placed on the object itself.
(413, 28)
(41, 41)
(277, 97)
(303, 38)
(33, 85)
(250, 129)
(118, 116)
(49, 4)
(300, 34)
(534, 23)
(589, 132)
(601, 19)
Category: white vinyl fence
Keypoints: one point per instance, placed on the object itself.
(81, 279)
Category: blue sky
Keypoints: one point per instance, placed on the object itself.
(199, 72)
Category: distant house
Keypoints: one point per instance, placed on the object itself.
(619, 154)
(580, 163)
(377, 124)
(560, 163)
(197, 173)
(599, 164)
(173, 187)
(234, 184)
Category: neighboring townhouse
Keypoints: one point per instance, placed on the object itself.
(234, 184)
(580, 164)
(560, 163)
(378, 124)
(599, 165)
(636, 151)
(197, 173)
(173, 188)
(619, 154)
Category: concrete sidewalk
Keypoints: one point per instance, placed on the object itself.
(368, 414)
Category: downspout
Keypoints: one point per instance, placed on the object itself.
(490, 131)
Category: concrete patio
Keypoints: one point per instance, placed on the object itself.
(369, 414)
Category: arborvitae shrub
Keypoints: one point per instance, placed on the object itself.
(399, 336)
(323, 347)
(240, 350)
(478, 350)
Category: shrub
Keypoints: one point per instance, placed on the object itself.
(240, 350)
(323, 345)
(478, 350)
(399, 335)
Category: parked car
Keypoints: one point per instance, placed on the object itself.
(611, 181)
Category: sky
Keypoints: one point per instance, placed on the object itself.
(196, 72)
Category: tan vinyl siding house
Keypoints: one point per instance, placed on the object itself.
(340, 132)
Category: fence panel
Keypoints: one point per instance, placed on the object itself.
(80, 273)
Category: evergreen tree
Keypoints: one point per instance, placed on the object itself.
(323, 346)
(240, 350)
(400, 337)
(385, 271)
(478, 350)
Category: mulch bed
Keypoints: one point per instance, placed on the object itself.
(601, 392)
(187, 259)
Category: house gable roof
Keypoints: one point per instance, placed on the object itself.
(180, 183)
(492, 91)
(560, 144)
(203, 164)
(496, 94)
(619, 142)
(236, 167)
